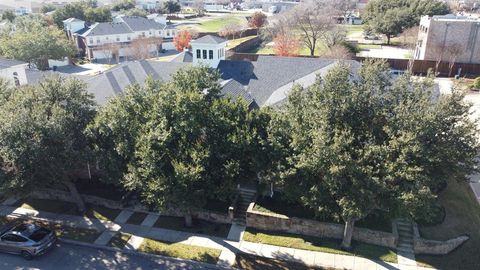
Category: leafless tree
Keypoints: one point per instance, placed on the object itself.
(343, 7)
(313, 19)
(110, 50)
(278, 25)
(334, 37)
(141, 48)
(199, 7)
(232, 29)
(453, 51)
(338, 52)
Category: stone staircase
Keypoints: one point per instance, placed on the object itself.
(405, 250)
(246, 196)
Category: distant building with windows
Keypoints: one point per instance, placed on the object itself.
(449, 38)
(118, 39)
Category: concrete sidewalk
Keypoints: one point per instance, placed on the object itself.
(311, 258)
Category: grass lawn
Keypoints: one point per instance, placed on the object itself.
(353, 29)
(199, 226)
(136, 218)
(201, 254)
(102, 213)
(218, 23)
(319, 244)
(363, 46)
(119, 240)
(462, 217)
(303, 52)
(53, 206)
(235, 42)
(252, 262)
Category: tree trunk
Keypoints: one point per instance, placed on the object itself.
(188, 219)
(76, 196)
(347, 234)
(388, 39)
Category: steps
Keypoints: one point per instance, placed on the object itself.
(405, 250)
(246, 196)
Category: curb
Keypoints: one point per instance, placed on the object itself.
(142, 254)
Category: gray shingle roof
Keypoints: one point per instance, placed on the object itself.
(234, 90)
(209, 39)
(142, 24)
(6, 63)
(115, 80)
(183, 57)
(108, 28)
(269, 73)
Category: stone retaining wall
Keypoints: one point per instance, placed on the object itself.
(276, 222)
(434, 247)
(53, 194)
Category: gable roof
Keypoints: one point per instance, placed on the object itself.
(208, 39)
(114, 81)
(234, 90)
(107, 28)
(183, 57)
(269, 73)
(141, 24)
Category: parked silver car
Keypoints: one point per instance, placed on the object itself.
(27, 240)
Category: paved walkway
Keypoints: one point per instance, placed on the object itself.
(228, 247)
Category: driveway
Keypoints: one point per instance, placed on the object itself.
(72, 257)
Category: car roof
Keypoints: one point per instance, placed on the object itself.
(25, 229)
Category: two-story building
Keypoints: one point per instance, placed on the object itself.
(124, 37)
(449, 38)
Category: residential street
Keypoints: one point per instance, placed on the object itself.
(71, 257)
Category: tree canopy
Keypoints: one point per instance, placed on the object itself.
(41, 136)
(392, 17)
(178, 143)
(30, 39)
(83, 10)
(355, 145)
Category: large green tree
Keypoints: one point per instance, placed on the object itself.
(30, 39)
(83, 10)
(392, 17)
(42, 141)
(355, 145)
(179, 143)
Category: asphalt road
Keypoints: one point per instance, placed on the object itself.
(71, 257)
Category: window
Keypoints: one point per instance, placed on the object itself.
(13, 238)
(106, 38)
(15, 79)
(204, 54)
(150, 33)
(160, 32)
(199, 54)
(129, 38)
(98, 40)
(90, 41)
(118, 38)
(168, 33)
(143, 34)
(210, 54)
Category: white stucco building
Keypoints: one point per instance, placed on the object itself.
(208, 50)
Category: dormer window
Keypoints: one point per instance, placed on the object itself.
(204, 54)
(199, 54)
(15, 79)
(118, 38)
(210, 54)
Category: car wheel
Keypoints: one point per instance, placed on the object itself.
(26, 255)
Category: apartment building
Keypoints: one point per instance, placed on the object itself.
(122, 38)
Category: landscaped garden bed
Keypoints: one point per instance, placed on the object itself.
(102, 213)
(52, 206)
(277, 204)
(252, 262)
(319, 244)
(462, 217)
(137, 218)
(202, 254)
(199, 226)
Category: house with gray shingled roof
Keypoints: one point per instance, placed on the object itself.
(116, 39)
(264, 82)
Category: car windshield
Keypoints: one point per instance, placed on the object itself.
(39, 234)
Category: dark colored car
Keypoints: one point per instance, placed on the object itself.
(27, 240)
